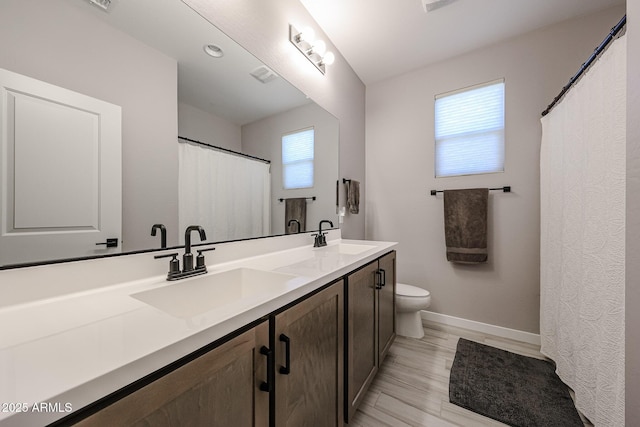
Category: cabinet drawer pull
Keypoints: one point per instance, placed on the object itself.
(378, 279)
(286, 369)
(384, 278)
(268, 385)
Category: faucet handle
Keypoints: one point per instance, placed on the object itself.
(175, 254)
(200, 257)
(174, 264)
(318, 238)
(206, 250)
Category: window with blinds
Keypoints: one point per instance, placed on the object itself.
(297, 159)
(469, 130)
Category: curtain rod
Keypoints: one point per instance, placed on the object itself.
(505, 189)
(614, 31)
(215, 147)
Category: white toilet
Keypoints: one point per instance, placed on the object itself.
(409, 301)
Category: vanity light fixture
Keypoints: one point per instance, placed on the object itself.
(313, 50)
(213, 50)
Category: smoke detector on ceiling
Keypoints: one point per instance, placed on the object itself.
(431, 5)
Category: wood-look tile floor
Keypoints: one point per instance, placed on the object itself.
(412, 385)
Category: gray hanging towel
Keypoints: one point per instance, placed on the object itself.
(465, 225)
(353, 196)
(295, 209)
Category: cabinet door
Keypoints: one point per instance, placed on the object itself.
(220, 388)
(361, 334)
(386, 305)
(309, 361)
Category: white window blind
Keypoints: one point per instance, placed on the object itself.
(469, 130)
(297, 159)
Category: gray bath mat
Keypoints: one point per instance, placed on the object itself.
(516, 390)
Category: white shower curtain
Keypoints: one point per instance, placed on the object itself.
(582, 254)
(228, 195)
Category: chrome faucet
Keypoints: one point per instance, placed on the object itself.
(320, 239)
(163, 234)
(294, 221)
(188, 269)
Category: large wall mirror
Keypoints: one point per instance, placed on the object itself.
(177, 81)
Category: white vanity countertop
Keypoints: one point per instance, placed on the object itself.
(70, 351)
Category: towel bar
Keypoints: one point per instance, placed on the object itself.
(308, 198)
(505, 189)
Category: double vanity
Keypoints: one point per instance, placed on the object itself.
(277, 332)
(92, 338)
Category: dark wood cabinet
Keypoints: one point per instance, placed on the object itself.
(361, 353)
(370, 325)
(219, 388)
(300, 364)
(309, 346)
(287, 371)
(386, 305)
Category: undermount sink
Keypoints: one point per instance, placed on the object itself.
(347, 248)
(325, 259)
(190, 297)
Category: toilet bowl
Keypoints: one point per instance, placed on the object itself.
(409, 301)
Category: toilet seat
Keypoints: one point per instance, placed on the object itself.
(411, 291)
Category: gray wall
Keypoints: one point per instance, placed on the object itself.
(202, 126)
(262, 27)
(263, 138)
(59, 43)
(400, 172)
(632, 262)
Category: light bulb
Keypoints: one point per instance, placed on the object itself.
(329, 58)
(308, 34)
(320, 47)
(315, 57)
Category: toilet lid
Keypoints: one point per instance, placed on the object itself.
(410, 291)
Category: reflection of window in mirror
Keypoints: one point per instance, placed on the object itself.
(297, 159)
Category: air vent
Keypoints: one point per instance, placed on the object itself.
(264, 74)
(430, 5)
(102, 4)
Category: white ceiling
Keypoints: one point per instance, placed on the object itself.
(385, 38)
(223, 86)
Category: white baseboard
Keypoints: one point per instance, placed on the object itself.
(499, 331)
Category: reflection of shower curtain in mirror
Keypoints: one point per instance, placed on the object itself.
(228, 195)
